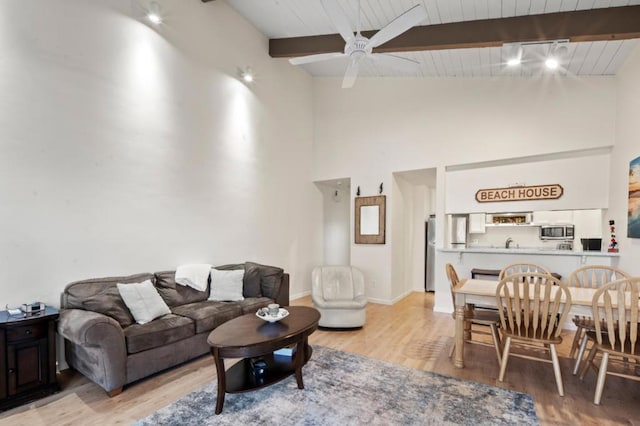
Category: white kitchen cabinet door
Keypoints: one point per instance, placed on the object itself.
(588, 224)
(477, 223)
(544, 217)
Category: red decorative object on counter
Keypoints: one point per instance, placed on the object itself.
(613, 245)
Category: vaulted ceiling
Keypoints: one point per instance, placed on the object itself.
(459, 38)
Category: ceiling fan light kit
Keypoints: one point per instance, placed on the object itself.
(358, 47)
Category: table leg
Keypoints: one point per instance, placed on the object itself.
(459, 355)
(300, 354)
(221, 373)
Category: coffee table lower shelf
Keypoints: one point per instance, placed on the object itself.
(240, 377)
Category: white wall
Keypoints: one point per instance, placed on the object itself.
(125, 148)
(386, 125)
(627, 148)
(415, 210)
(585, 181)
(336, 219)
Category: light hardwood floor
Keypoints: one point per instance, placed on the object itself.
(408, 333)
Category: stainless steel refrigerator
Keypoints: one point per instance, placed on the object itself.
(430, 254)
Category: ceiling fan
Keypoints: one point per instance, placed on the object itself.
(357, 47)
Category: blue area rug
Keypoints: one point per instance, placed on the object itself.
(347, 389)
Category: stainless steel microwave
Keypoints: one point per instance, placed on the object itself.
(556, 232)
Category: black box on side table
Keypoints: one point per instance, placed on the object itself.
(27, 357)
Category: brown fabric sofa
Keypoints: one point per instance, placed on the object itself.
(104, 343)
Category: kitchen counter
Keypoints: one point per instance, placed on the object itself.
(529, 250)
(562, 262)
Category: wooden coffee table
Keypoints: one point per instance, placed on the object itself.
(249, 337)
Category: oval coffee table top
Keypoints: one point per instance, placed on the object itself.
(248, 330)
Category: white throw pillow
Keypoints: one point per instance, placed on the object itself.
(226, 285)
(143, 301)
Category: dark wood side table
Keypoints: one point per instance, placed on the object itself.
(27, 357)
(248, 337)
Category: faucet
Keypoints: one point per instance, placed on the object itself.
(508, 242)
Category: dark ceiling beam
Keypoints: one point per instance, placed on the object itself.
(616, 23)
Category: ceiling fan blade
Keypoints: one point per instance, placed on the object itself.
(402, 23)
(339, 20)
(315, 58)
(351, 73)
(396, 62)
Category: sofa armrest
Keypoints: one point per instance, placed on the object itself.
(96, 346)
(87, 328)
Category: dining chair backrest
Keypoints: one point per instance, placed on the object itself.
(533, 304)
(620, 324)
(594, 276)
(454, 281)
(520, 267)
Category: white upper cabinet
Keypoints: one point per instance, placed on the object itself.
(544, 217)
(589, 224)
(477, 223)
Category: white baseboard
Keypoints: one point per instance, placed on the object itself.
(299, 295)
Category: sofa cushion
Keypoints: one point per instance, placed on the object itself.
(270, 279)
(209, 314)
(250, 305)
(162, 331)
(174, 294)
(230, 267)
(76, 292)
(226, 285)
(251, 281)
(143, 301)
(108, 302)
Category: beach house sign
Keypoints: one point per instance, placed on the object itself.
(520, 193)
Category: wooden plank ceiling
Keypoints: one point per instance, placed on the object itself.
(460, 38)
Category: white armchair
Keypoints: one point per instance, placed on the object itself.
(338, 293)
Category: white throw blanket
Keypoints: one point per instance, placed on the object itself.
(193, 275)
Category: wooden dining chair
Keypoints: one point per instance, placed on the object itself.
(475, 316)
(590, 276)
(520, 267)
(615, 334)
(532, 307)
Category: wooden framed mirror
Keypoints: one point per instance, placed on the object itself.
(370, 219)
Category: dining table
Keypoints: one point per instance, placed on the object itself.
(483, 293)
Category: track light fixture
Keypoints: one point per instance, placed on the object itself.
(557, 53)
(526, 52)
(246, 74)
(515, 57)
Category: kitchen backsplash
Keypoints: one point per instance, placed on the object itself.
(588, 224)
(523, 236)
